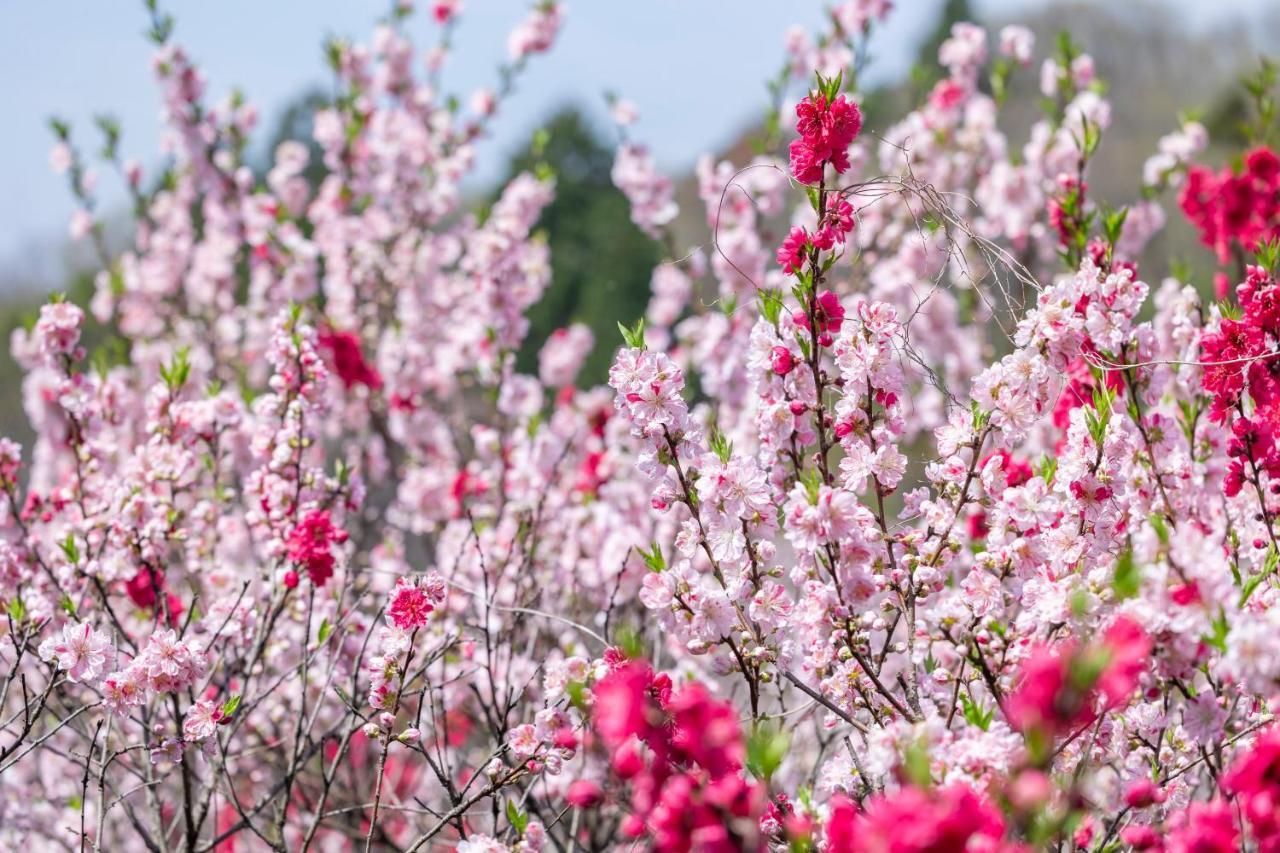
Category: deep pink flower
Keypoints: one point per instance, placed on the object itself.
(829, 313)
(410, 606)
(1254, 778)
(1203, 828)
(1059, 687)
(1140, 837)
(782, 361)
(346, 357)
(1128, 649)
(583, 793)
(791, 254)
(619, 711)
(1142, 793)
(950, 820)
(841, 824)
(310, 545)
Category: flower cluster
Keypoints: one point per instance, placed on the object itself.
(827, 126)
(413, 600)
(680, 753)
(166, 664)
(1235, 209)
(945, 532)
(1240, 375)
(311, 545)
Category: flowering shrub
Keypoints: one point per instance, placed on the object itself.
(911, 520)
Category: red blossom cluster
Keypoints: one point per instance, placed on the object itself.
(412, 601)
(1063, 687)
(919, 820)
(345, 356)
(682, 753)
(827, 127)
(311, 547)
(1241, 208)
(1241, 361)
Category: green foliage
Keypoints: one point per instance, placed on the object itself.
(1128, 579)
(633, 336)
(975, 714)
(766, 749)
(653, 558)
(720, 444)
(519, 819)
(1268, 569)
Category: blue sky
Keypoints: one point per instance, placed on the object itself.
(80, 57)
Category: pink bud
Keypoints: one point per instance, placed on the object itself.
(627, 761)
(583, 793)
(782, 361)
(1143, 793)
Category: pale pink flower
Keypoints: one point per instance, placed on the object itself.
(82, 652)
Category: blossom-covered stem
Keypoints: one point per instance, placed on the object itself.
(386, 747)
(963, 498)
(815, 349)
(750, 670)
(978, 659)
(1131, 384)
(908, 600)
(1268, 518)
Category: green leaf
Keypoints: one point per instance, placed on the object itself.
(1269, 255)
(229, 707)
(653, 558)
(1255, 581)
(17, 610)
(630, 641)
(766, 749)
(176, 372)
(519, 820)
(1218, 639)
(720, 445)
(1113, 224)
(811, 479)
(770, 305)
(325, 630)
(974, 714)
(980, 417)
(1128, 579)
(1160, 528)
(577, 693)
(634, 336)
(915, 764)
(70, 548)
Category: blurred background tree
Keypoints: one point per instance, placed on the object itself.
(601, 262)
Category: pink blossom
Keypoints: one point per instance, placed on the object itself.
(82, 652)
